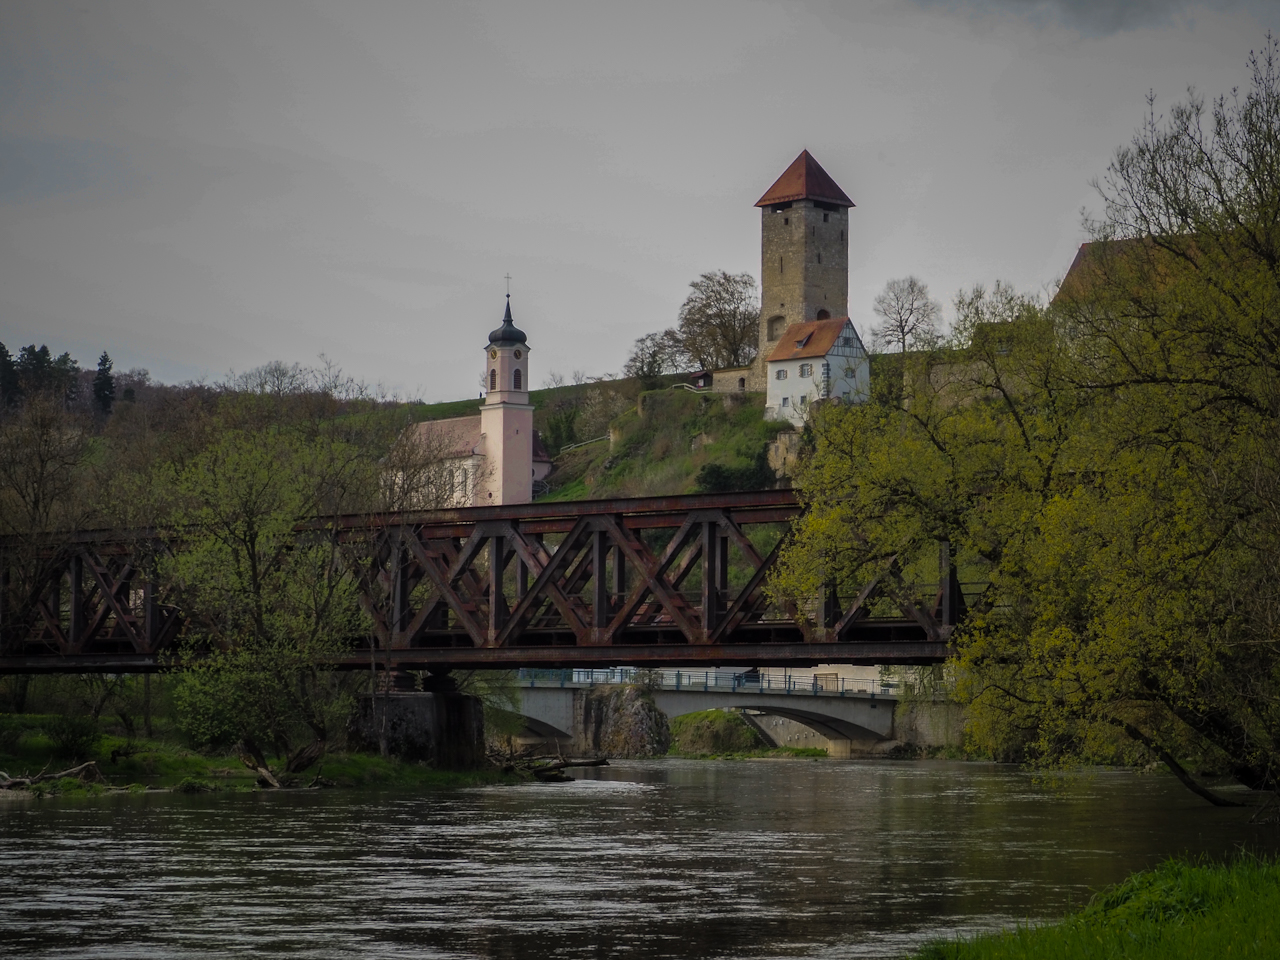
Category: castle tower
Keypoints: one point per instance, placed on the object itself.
(506, 419)
(804, 251)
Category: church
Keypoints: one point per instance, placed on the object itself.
(497, 457)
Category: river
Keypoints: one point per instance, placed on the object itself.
(667, 858)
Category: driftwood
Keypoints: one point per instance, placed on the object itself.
(554, 772)
(85, 771)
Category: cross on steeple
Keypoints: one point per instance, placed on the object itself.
(508, 279)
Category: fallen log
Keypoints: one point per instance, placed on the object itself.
(85, 771)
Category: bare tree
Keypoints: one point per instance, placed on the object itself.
(908, 317)
(655, 354)
(720, 321)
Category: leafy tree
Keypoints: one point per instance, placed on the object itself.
(908, 317)
(720, 321)
(272, 607)
(104, 385)
(1106, 467)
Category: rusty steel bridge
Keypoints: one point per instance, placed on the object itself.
(660, 581)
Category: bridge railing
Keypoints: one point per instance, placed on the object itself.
(815, 683)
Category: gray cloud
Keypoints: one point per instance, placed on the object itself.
(1092, 18)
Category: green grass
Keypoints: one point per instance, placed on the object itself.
(1175, 911)
(164, 763)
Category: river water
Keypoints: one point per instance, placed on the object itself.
(667, 858)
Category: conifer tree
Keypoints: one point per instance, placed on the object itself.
(10, 391)
(104, 385)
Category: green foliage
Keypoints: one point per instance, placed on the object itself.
(663, 446)
(1173, 912)
(713, 732)
(74, 737)
(1104, 469)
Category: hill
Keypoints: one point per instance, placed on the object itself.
(637, 441)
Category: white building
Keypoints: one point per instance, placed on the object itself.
(816, 360)
(495, 457)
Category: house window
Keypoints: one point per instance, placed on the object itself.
(448, 485)
(786, 401)
(845, 396)
(516, 379)
(493, 379)
(849, 372)
(804, 401)
(781, 374)
(806, 369)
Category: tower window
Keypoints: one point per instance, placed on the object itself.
(493, 379)
(516, 379)
(819, 257)
(822, 314)
(742, 383)
(826, 217)
(775, 327)
(813, 231)
(841, 234)
(785, 221)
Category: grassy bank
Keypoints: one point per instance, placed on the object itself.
(1175, 911)
(29, 745)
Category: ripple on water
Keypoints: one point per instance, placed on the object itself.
(656, 859)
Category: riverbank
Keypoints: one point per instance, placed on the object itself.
(1175, 911)
(161, 763)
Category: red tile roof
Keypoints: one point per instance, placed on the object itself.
(814, 338)
(804, 180)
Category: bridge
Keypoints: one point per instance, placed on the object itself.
(662, 581)
(849, 714)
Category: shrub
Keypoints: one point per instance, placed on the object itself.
(74, 737)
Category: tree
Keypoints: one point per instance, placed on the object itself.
(654, 355)
(104, 386)
(10, 388)
(908, 317)
(270, 607)
(720, 321)
(39, 371)
(1107, 468)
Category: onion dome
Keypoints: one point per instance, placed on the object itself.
(508, 333)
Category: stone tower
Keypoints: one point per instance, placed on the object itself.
(804, 251)
(506, 419)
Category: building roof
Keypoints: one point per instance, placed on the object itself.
(449, 439)
(813, 338)
(459, 437)
(804, 180)
(508, 333)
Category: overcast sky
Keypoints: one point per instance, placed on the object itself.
(200, 188)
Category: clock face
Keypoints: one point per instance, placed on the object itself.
(493, 354)
(519, 354)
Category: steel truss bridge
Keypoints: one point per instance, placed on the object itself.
(659, 581)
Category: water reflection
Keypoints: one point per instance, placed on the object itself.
(662, 859)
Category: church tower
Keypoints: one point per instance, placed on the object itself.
(804, 251)
(506, 419)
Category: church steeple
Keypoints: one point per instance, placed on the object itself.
(508, 333)
(506, 419)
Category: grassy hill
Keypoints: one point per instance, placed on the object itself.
(649, 442)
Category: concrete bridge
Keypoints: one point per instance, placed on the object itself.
(845, 717)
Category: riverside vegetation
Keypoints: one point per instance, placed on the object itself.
(1178, 911)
